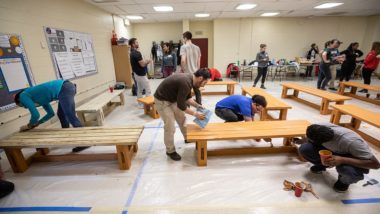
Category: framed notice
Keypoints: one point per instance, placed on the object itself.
(72, 53)
(15, 73)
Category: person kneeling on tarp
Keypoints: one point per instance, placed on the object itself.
(41, 95)
(238, 107)
(346, 151)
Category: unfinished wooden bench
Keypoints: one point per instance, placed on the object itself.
(149, 107)
(273, 103)
(327, 97)
(354, 87)
(230, 87)
(124, 138)
(358, 115)
(98, 105)
(245, 130)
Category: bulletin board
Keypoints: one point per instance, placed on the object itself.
(72, 53)
(15, 73)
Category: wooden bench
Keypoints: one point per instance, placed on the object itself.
(273, 104)
(245, 130)
(230, 87)
(124, 138)
(327, 97)
(96, 106)
(354, 87)
(358, 115)
(149, 107)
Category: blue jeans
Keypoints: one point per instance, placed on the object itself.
(66, 106)
(324, 76)
(347, 174)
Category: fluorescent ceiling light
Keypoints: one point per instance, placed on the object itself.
(163, 8)
(245, 6)
(135, 17)
(269, 14)
(202, 15)
(327, 5)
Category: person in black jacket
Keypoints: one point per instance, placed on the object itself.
(311, 54)
(349, 65)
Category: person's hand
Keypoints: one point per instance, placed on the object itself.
(333, 161)
(378, 56)
(199, 115)
(200, 107)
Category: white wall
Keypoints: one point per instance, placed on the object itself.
(146, 33)
(27, 18)
(239, 39)
(121, 29)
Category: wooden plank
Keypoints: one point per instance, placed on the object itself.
(360, 113)
(370, 100)
(250, 151)
(49, 144)
(37, 135)
(374, 88)
(316, 92)
(99, 101)
(146, 100)
(273, 103)
(224, 82)
(88, 128)
(215, 93)
(74, 157)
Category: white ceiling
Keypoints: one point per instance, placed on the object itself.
(185, 9)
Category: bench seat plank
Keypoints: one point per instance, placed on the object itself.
(326, 96)
(124, 138)
(358, 115)
(354, 87)
(273, 103)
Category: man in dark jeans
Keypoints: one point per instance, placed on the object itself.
(239, 108)
(351, 155)
(41, 95)
(6, 187)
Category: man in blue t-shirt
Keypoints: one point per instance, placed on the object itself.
(238, 108)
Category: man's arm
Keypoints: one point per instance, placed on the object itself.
(192, 102)
(143, 63)
(373, 163)
(183, 62)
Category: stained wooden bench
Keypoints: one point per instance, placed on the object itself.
(358, 114)
(273, 103)
(124, 138)
(97, 106)
(149, 107)
(327, 97)
(354, 87)
(230, 87)
(245, 130)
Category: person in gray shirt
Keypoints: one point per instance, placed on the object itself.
(351, 154)
(263, 59)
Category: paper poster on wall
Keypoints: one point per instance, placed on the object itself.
(72, 53)
(15, 73)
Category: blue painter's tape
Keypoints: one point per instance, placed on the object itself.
(137, 180)
(124, 212)
(362, 201)
(45, 209)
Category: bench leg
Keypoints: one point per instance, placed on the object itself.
(122, 99)
(81, 117)
(153, 112)
(232, 89)
(353, 90)
(16, 159)
(243, 92)
(100, 117)
(342, 87)
(43, 151)
(295, 93)
(135, 148)
(355, 123)
(324, 106)
(202, 153)
(335, 117)
(287, 141)
(283, 114)
(284, 92)
(146, 109)
(263, 115)
(123, 156)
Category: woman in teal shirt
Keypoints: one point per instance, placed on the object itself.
(41, 95)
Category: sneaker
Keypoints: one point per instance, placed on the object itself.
(254, 85)
(333, 89)
(317, 169)
(263, 87)
(340, 187)
(80, 148)
(174, 156)
(363, 91)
